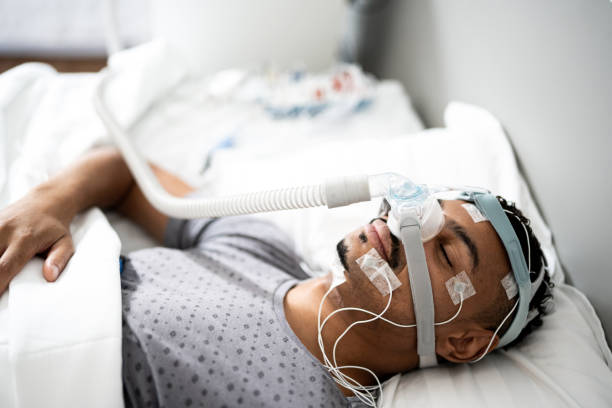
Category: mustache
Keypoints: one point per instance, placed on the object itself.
(394, 259)
(395, 252)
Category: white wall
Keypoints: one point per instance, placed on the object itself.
(545, 69)
(217, 34)
(68, 27)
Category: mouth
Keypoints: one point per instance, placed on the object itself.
(379, 237)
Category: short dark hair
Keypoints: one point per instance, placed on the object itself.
(542, 300)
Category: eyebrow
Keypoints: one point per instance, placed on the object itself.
(460, 233)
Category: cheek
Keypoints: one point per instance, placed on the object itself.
(356, 248)
(358, 291)
(444, 307)
(439, 275)
(402, 309)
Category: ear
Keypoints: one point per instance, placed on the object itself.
(465, 346)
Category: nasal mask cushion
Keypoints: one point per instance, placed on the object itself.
(429, 213)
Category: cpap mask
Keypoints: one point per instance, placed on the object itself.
(416, 217)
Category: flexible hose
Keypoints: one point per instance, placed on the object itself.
(249, 203)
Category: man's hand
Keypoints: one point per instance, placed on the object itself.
(38, 224)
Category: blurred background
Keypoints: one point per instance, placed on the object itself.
(542, 67)
(68, 34)
(78, 35)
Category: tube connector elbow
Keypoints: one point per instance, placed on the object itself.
(341, 191)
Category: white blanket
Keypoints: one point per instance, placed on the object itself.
(60, 344)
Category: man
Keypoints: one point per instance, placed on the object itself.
(223, 315)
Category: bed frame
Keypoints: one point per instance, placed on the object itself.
(545, 69)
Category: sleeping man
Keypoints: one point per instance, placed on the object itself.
(222, 314)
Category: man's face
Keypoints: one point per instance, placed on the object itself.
(462, 245)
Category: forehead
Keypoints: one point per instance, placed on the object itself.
(493, 258)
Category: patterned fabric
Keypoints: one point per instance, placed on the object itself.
(204, 323)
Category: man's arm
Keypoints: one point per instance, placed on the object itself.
(39, 222)
(135, 206)
(102, 179)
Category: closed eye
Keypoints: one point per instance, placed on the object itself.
(446, 256)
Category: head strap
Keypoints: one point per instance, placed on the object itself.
(420, 286)
(492, 209)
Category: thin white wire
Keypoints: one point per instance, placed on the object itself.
(495, 333)
(341, 378)
(345, 380)
(392, 322)
(362, 322)
(455, 315)
(527, 237)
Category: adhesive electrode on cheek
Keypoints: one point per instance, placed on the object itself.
(460, 288)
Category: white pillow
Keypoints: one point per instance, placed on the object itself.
(476, 154)
(560, 364)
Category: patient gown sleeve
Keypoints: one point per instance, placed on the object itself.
(186, 234)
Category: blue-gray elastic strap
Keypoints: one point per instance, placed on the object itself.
(490, 207)
(420, 285)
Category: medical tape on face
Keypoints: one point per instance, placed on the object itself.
(458, 285)
(474, 212)
(376, 269)
(510, 286)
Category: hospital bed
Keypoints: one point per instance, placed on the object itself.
(47, 358)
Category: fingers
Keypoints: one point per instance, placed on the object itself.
(57, 258)
(11, 262)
